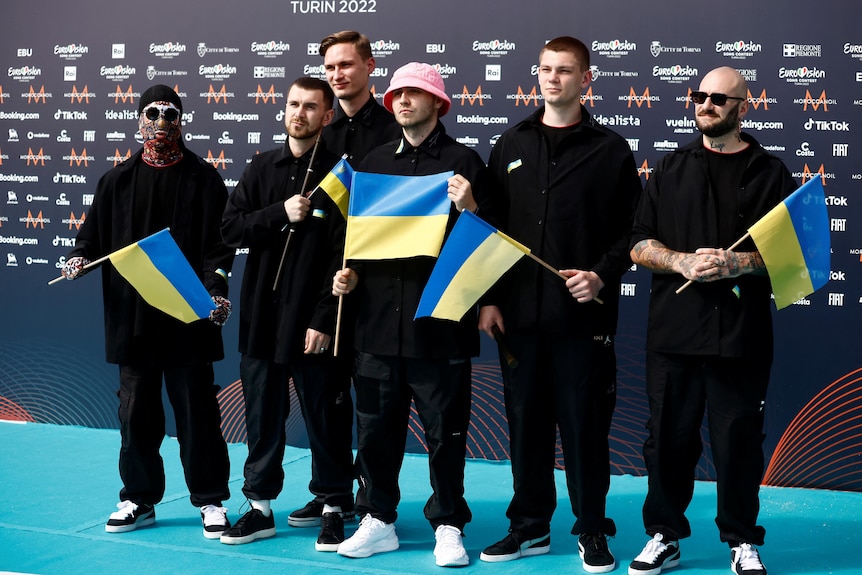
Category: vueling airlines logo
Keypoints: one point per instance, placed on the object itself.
(35, 159)
(76, 221)
(268, 97)
(34, 96)
(83, 95)
(35, 221)
(217, 96)
(127, 97)
(217, 160)
(644, 98)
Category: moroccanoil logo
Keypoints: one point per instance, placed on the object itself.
(217, 160)
(76, 221)
(467, 96)
(645, 170)
(268, 97)
(589, 99)
(118, 157)
(35, 159)
(761, 100)
(35, 221)
(816, 103)
(126, 97)
(807, 174)
(82, 96)
(34, 96)
(640, 100)
(217, 96)
(79, 159)
(524, 98)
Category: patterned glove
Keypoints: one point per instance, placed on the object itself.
(222, 311)
(74, 267)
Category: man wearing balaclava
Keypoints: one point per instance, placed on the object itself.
(164, 185)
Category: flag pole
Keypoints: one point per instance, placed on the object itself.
(555, 271)
(86, 267)
(292, 228)
(735, 244)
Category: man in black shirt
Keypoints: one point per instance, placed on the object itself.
(400, 359)
(710, 345)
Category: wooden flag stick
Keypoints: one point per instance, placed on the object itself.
(555, 271)
(86, 267)
(735, 244)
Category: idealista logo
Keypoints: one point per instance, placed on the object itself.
(36, 96)
(640, 100)
(674, 74)
(82, 97)
(738, 50)
(271, 49)
(614, 48)
(168, 50)
(24, 73)
(118, 73)
(803, 76)
(219, 97)
(217, 72)
(267, 96)
(384, 48)
(493, 48)
(472, 97)
(815, 103)
(71, 51)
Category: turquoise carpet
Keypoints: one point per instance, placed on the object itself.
(60, 483)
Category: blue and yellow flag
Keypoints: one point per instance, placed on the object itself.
(474, 257)
(160, 273)
(396, 216)
(793, 240)
(336, 184)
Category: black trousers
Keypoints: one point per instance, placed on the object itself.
(567, 383)
(203, 451)
(733, 392)
(323, 389)
(441, 391)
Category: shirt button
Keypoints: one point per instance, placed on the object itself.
(541, 221)
(397, 308)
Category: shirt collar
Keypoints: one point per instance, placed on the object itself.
(364, 115)
(430, 145)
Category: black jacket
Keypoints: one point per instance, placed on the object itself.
(678, 209)
(135, 332)
(273, 325)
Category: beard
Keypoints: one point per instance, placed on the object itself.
(719, 128)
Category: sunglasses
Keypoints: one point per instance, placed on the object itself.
(717, 99)
(169, 114)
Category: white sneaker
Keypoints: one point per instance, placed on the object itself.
(372, 536)
(745, 560)
(449, 550)
(214, 520)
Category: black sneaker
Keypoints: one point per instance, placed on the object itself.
(331, 532)
(594, 552)
(658, 554)
(515, 545)
(253, 525)
(309, 516)
(745, 560)
(129, 516)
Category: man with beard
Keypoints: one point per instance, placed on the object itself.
(709, 347)
(164, 185)
(287, 313)
(399, 359)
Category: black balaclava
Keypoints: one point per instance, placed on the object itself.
(162, 139)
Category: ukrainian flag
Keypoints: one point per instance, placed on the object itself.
(396, 216)
(474, 257)
(793, 240)
(336, 184)
(160, 273)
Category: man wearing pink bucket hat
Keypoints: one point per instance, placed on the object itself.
(399, 359)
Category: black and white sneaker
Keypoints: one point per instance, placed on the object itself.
(215, 521)
(657, 555)
(745, 560)
(331, 532)
(515, 545)
(253, 525)
(594, 552)
(129, 516)
(309, 516)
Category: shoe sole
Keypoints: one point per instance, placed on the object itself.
(347, 517)
(131, 526)
(213, 534)
(530, 552)
(669, 565)
(460, 562)
(326, 547)
(363, 553)
(599, 568)
(262, 534)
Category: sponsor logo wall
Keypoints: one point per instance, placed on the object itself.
(68, 112)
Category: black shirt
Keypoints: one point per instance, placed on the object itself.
(355, 136)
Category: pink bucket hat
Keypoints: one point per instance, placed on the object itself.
(418, 75)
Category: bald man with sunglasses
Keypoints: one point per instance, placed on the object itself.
(709, 347)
